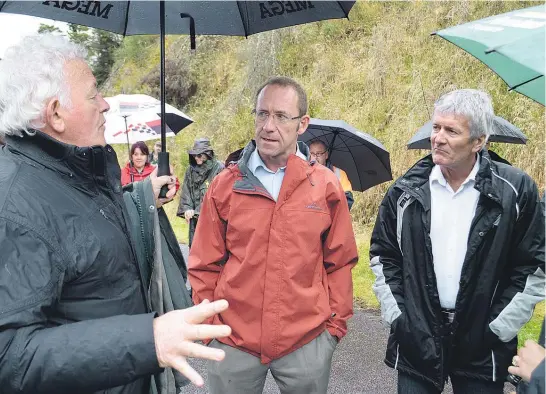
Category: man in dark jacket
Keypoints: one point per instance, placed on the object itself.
(458, 254)
(200, 173)
(75, 316)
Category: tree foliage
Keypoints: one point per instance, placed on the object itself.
(100, 45)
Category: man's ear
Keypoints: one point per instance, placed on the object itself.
(479, 143)
(304, 122)
(53, 116)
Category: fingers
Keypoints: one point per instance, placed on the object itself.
(196, 350)
(182, 366)
(163, 180)
(206, 331)
(514, 370)
(196, 314)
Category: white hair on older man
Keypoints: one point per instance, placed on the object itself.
(32, 73)
(474, 105)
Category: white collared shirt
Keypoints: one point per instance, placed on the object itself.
(452, 213)
(272, 181)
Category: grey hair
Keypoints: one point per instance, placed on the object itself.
(32, 73)
(474, 105)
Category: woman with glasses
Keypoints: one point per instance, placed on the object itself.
(200, 173)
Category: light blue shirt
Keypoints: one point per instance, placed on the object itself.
(272, 181)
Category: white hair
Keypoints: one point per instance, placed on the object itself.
(474, 105)
(32, 73)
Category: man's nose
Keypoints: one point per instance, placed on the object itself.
(439, 137)
(269, 124)
(105, 107)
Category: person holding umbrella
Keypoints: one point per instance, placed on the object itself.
(318, 151)
(200, 173)
(458, 255)
(139, 167)
(75, 312)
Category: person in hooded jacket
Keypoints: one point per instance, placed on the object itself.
(75, 296)
(139, 167)
(275, 239)
(458, 255)
(200, 173)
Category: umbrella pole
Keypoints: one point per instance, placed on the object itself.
(163, 167)
(128, 149)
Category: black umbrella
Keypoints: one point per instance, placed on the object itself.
(362, 157)
(501, 131)
(228, 18)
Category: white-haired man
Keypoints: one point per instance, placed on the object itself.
(458, 254)
(75, 315)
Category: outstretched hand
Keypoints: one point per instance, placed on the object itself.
(176, 331)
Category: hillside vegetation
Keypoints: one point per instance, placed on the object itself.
(380, 71)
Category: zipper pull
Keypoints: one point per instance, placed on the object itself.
(103, 214)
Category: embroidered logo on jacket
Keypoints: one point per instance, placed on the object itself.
(314, 206)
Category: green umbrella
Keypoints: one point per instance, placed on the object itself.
(511, 44)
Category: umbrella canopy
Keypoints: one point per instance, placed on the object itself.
(227, 18)
(510, 44)
(137, 117)
(362, 157)
(501, 131)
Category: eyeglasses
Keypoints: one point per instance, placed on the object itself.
(278, 118)
(200, 156)
(317, 154)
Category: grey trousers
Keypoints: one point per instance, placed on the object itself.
(304, 371)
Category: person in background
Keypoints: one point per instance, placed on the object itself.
(200, 173)
(318, 151)
(139, 167)
(75, 306)
(154, 154)
(275, 240)
(458, 254)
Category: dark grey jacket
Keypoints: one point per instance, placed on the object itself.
(74, 314)
(502, 276)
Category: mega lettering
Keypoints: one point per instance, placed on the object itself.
(93, 8)
(277, 8)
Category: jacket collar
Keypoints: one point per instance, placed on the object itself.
(416, 178)
(76, 163)
(297, 169)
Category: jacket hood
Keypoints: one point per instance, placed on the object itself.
(201, 145)
(80, 164)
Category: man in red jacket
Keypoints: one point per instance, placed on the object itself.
(275, 239)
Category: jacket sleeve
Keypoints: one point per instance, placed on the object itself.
(38, 356)
(186, 201)
(340, 256)
(386, 260)
(208, 251)
(523, 285)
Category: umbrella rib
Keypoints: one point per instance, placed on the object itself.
(523, 83)
(126, 18)
(245, 27)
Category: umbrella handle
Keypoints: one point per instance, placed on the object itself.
(192, 29)
(163, 168)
